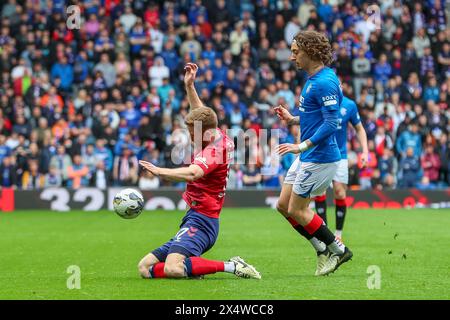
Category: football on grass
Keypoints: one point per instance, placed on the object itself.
(128, 203)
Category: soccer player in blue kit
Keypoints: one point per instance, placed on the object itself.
(348, 113)
(319, 153)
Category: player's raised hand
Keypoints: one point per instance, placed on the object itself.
(190, 73)
(285, 148)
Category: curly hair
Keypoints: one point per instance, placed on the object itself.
(205, 115)
(316, 45)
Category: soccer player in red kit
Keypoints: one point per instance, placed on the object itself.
(206, 181)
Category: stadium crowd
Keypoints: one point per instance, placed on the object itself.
(80, 106)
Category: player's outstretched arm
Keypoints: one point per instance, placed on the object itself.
(187, 174)
(189, 80)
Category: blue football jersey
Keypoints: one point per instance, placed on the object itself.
(348, 113)
(322, 93)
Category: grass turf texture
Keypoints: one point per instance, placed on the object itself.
(409, 246)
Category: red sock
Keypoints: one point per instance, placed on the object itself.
(196, 266)
(314, 224)
(157, 270)
(321, 198)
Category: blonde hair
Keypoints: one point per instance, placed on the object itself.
(205, 115)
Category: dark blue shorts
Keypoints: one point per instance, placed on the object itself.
(197, 234)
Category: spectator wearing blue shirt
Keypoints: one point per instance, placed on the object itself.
(231, 81)
(138, 38)
(81, 67)
(170, 56)
(410, 139)
(8, 176)
(5, 151)
(64, 72)
(196, 10)
(325, 12)
(131, 114)
(431, 91)
(102, 153)
(220, 71)
(234, 103)
(382, 70)
(163, 90)
(209, 52)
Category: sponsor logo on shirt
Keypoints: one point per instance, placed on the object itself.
(301, 103)
(328, 98)
(329, 103)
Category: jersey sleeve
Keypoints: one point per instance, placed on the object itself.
(329, 97)
(355, 118)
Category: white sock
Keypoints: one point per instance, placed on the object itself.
(336, 247)
(229, 267)
(317, 244)
(338, 233)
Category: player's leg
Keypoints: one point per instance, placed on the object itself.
(196, 236)
(340, 194)
(283, 206)
(157, 256)
(320, 203)
(340, 182)
(314, 179)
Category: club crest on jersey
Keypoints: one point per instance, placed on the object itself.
(308, 88)
(343, 111)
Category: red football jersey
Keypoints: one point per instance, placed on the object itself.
(206, 195)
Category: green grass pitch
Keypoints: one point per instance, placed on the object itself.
(409, 246)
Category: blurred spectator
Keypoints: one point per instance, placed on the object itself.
(158, 72)
(62, 72)
(410, 139)
(107, 70)
(235, 177)
(77, 173)
(100, 177)
(409, 169)
(126, 167)
(387, 166)
(61, 162)
(252, 176)
(102, 153)
(53, 179)
(31, 178)
(431, 164)
(8, 176)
